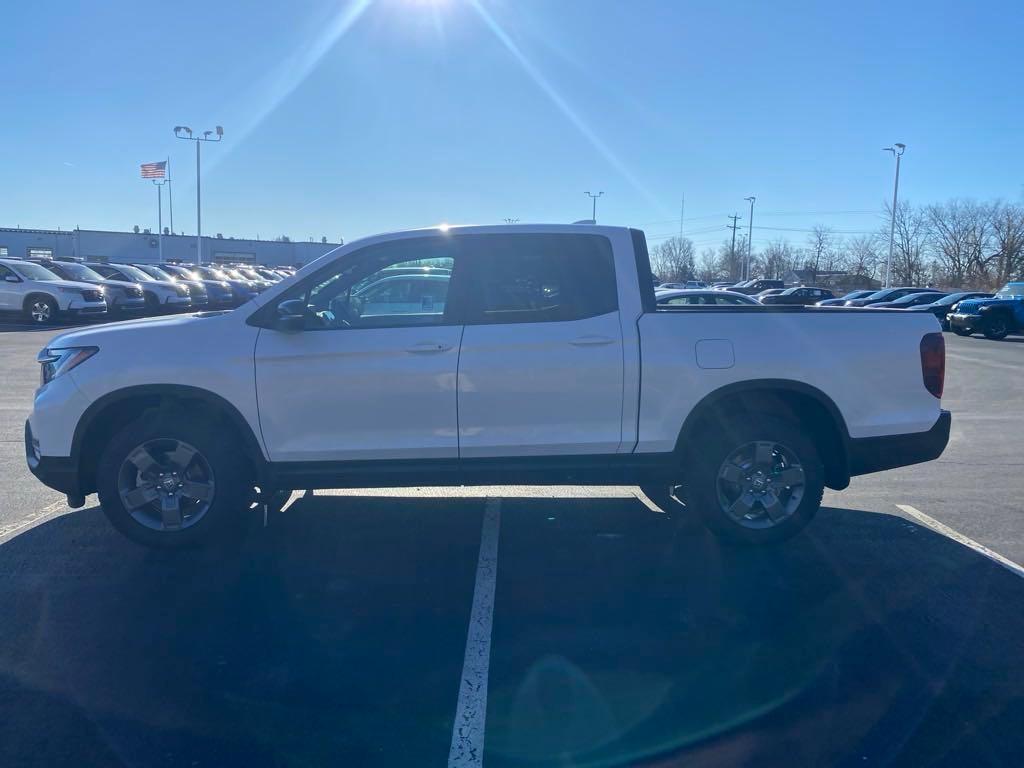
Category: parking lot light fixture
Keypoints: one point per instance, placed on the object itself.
(184, 132)
(897, 151)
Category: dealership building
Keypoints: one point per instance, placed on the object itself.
(142, 247)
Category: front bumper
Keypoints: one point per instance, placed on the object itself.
(57, 472)
(964, 322)
(875, 454)
(181, 302)
(87, 309)
(130, 304)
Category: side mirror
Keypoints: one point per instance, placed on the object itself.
(12, 278)
(291, 315)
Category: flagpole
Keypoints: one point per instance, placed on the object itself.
(160, 221)
(170, 197)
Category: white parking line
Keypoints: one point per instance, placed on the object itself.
(38, 517)
(467, 747)
(945, 530)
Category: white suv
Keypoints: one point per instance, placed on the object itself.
(161, 295)
(42, 296)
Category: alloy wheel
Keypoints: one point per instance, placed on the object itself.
(40, 312)
(760, 484)
(166, 484)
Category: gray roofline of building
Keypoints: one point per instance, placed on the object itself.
(156, 234)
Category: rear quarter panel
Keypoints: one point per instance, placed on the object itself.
(867, 363)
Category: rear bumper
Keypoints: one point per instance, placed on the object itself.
(57, 472)
(875, 454)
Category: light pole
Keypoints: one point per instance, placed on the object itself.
(180, 131)
(750, 231)
(160, 217)
(897, 151)
(593, 211)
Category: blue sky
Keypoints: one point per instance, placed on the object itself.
(346, 118)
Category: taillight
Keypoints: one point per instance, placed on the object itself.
(933, 362)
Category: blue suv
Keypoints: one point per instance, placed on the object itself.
(996, 317)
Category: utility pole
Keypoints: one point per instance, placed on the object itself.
(750, 231)
(897, 151)
(682, 210)
(593, 198)
(179, 130)
(732, 250)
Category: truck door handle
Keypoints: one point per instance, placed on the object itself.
(592, 341)
(428, 347)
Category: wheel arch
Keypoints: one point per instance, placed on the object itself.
(36, 294)
(808, 406)
(109, 413)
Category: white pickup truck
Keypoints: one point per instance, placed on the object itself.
(484, 355)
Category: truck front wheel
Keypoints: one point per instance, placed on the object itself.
(996, 329)
(758, 481)
(170, 480)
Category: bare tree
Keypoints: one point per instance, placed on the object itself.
(863, 255)
(1007, 263)
(958, 238)
(911, 241)
(730, 260)
(708, 267)
(673, 260)
(779, 259)
(821, 251)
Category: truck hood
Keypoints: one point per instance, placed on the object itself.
(972, 306)
(121, 332)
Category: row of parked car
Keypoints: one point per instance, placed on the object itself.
(51, 290)
(963, 312)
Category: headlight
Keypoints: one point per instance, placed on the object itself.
(92, 295)
(57, 361)
(182, 289)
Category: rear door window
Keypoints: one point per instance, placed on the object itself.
(533, 278)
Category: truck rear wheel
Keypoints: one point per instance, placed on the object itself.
(170, 481)
(759, 481)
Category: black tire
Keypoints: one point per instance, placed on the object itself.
(41, 310)
(225, 517)
(707, 493)
(961, 332)
(996, 329)
(152, 304)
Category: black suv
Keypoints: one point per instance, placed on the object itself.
(756, 286)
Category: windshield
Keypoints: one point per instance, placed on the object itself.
(133, 272)
(189, 274)
(916, 298)
(1011, 291)
(157, 273)
(30, 271)
(78, 271)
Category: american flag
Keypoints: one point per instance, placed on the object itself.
(154, 170)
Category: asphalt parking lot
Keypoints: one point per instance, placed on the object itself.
(529, 626)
